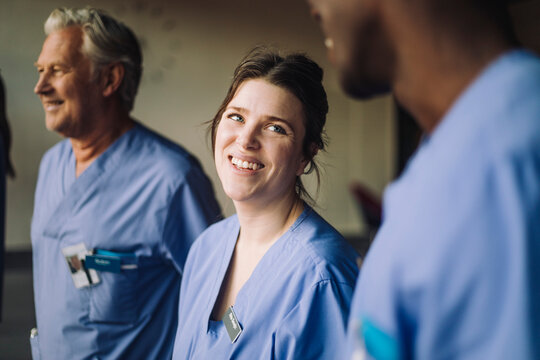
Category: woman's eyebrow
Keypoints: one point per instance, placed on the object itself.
(238, 108)
(270, 117)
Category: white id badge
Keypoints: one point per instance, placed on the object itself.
(75, 257)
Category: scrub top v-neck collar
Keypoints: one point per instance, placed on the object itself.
(241, 302)
(75, 187)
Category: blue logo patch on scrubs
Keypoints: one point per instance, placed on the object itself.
(378, 344)
(110, 261)
(103, 263)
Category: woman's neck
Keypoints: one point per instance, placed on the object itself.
(263, 224)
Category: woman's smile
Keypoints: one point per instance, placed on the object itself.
(245, 164)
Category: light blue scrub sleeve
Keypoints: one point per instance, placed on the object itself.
(316, 327)
(192, 209)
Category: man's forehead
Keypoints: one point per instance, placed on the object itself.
(62, 46)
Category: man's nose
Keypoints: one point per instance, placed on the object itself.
(43, 85)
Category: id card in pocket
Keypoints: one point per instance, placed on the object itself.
(75, 257)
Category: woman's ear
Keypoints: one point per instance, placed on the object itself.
(111, 78)
(313, 149)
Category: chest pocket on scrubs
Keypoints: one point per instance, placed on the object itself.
(114, 299)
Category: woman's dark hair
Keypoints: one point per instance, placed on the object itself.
(5, 131)
(302, 77)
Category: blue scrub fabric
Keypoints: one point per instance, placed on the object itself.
(145, 196)
(454, 272)
(295, 305)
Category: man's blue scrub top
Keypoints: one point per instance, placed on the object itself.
(454, 272)
(295, 305)
(145, 197)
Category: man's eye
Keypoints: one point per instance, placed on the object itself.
(236, 117)
(277, 128)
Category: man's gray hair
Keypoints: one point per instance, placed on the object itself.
(105, 41)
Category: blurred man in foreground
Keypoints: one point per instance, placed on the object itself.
(454, 272)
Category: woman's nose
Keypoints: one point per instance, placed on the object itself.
(248, 138)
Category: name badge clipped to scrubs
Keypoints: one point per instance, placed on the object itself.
(231, 324)
(75, 256)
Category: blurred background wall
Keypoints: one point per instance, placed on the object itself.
(190, 50)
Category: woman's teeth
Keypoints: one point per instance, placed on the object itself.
(245, 164)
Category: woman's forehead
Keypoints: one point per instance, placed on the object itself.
(264, 99)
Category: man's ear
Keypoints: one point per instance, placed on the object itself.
(111, 78)
(313, 149)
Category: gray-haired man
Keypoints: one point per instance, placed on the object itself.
(116, 206)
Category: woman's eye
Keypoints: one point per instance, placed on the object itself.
(236, 117)
(277, 128)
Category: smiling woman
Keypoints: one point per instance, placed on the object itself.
(275, 280)
(300, 77)
(258, 146)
